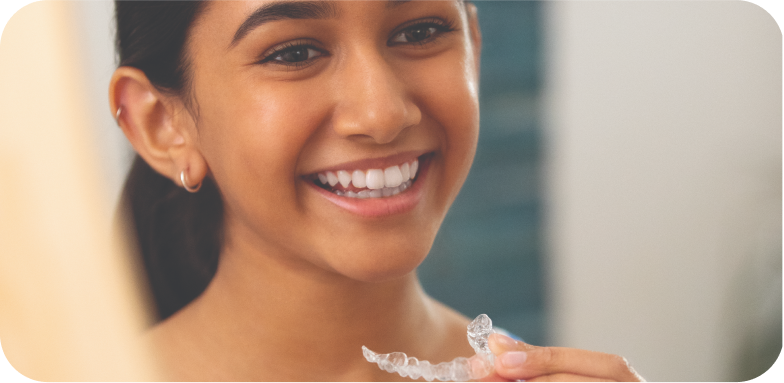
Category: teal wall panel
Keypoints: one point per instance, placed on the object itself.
(487, 257)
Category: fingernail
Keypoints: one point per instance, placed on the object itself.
(513, 358)
(505, 341)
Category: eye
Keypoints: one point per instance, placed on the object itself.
(293, 53)
(296, 54)
(420, 31)
(415, 34)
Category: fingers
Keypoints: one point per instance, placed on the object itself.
(565, 378)
(500, 344)
(494, 377)
(557, 378)
(553, 360)
(517, 360)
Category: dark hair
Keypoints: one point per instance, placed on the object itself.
(178, 234)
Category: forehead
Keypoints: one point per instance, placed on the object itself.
(230, 21)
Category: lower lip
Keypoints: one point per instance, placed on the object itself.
(385, 206)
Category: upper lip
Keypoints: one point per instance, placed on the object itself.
(374, 163)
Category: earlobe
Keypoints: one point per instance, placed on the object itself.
(157, 131)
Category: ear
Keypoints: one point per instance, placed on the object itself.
(158, 126)
(475, 32)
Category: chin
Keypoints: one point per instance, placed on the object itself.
(382, 265)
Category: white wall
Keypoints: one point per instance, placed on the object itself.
(663, 127)
(94, 20)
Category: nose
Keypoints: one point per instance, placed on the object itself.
(373, 101)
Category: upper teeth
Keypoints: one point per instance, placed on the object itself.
(390, 177)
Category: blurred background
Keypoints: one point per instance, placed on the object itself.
(626, 196)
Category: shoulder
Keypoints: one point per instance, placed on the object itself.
(177, 351)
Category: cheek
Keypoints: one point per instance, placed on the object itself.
(446, 90)
(253, 139)
(447, 87)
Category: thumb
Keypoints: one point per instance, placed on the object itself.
(500, 344)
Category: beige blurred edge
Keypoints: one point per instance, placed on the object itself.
(70, 307)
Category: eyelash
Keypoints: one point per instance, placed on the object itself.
(441, 27)
(291, 46)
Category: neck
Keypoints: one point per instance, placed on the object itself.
(263, 319)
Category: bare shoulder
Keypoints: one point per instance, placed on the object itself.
(175, 351)
(455, 342)
(451, 317)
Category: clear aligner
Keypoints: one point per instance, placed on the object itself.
(459, 370)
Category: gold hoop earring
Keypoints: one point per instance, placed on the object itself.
(185, 184)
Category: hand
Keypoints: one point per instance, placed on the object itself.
(516, 360)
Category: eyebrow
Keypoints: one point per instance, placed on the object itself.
(284, 10)
(395, 3)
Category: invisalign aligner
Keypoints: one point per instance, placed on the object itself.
(459, 369)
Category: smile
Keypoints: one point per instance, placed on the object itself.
(370, 183)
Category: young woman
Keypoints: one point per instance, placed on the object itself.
(296, 159)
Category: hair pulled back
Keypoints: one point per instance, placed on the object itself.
(178, 233)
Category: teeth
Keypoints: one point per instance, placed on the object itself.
(375, 179)
(381, 183)
(358, 179)
(344, 178)
(393, 177)
(375, 193)
(332, 179)
(405, 171)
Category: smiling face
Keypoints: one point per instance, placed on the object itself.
(302, 109)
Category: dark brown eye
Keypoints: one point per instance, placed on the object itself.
(419, 33)
(293, 55)
(296, 54)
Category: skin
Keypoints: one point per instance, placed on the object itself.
(302, 282)
(516, 360)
